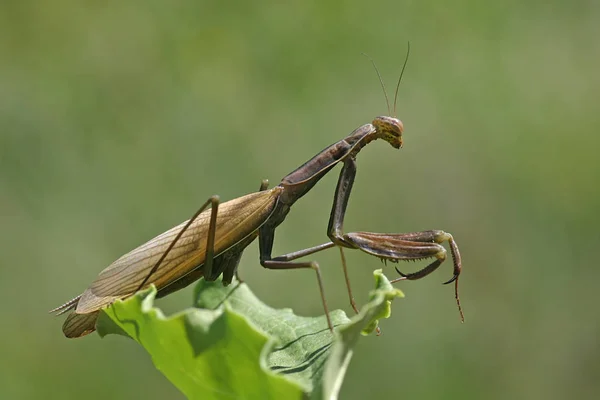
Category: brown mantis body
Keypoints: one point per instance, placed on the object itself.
(211, 243)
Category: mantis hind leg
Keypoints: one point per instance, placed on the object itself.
(213, 201)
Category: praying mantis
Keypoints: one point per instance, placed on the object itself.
(210, 244)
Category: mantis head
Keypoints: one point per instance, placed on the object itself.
(389, 129)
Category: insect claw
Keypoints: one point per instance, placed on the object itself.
(455, 277)
(399, 272)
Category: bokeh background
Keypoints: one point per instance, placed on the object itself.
(118, 119)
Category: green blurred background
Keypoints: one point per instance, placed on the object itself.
(118, 120)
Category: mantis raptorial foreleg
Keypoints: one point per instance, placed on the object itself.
(394, 247)
(410, 247)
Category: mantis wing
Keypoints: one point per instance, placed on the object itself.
(236, 219)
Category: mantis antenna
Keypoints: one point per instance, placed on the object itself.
(387, 100)
(400, 79)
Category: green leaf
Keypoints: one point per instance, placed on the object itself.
(231, 345)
